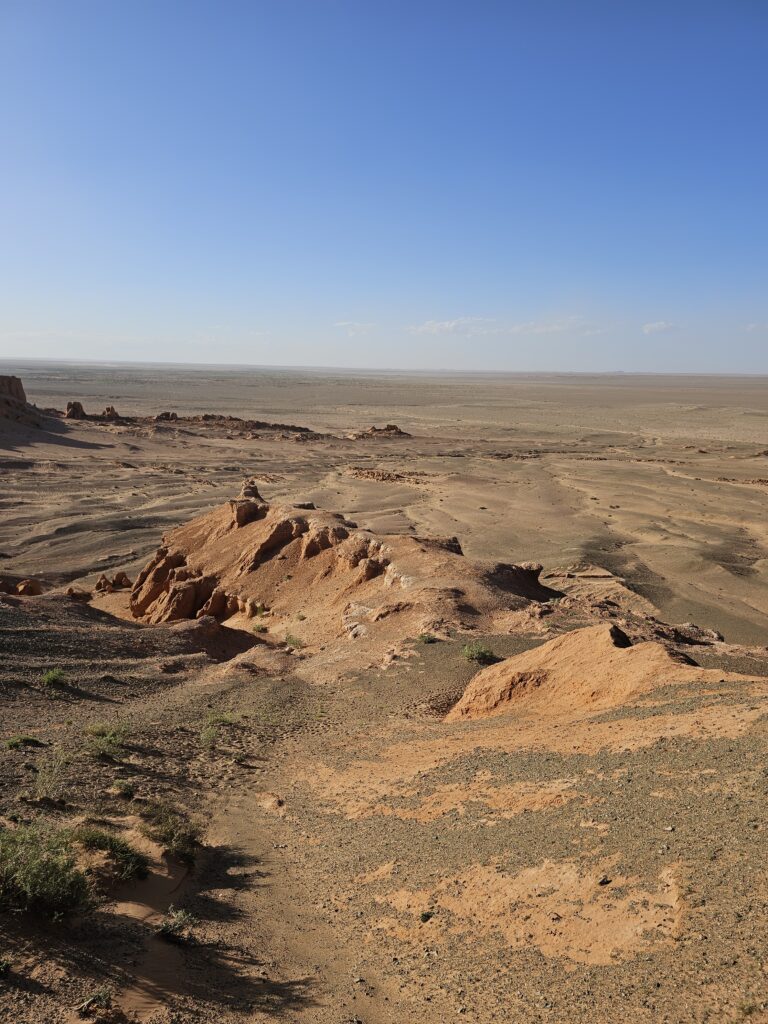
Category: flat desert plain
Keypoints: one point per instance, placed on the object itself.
(461, 717)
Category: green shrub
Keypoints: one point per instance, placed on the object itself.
(259, 628)
(129, 863)
(38, 871)
(427, 638)
(53, 677)
(478, 653)
(293, 642)
(173, 830)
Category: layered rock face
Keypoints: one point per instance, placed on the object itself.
(314, 574)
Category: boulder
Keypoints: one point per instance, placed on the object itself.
(75, 411)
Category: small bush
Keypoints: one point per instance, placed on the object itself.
(176, 925)
(38, 871)
(176, 833)
(52, 678)
(478, 653)
(293, 642)
(301, 616)
(427, 638)
(259, 628)
(129, 863)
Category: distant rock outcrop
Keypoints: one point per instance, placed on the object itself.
(391, 430)
(14, 407)
(75, 411)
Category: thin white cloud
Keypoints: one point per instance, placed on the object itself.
(474, 326)
(354, 327)
(463, 325)
(756, 328)
(658, 327)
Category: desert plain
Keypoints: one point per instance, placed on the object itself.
(462, 717)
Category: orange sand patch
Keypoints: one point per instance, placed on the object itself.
(557, 906)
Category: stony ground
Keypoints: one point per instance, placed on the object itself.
(362, 860)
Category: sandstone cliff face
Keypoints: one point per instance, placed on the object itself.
(317, 577)
(14, 407)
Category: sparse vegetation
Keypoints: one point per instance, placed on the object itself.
(52, 678)
(301, 616)
(101, 999)
(125, 789)
(427, 638)
(16, 742)
(209, 734)
(105, 741)
(478, 652)
(176, 925)
(49, 781)
(173, 830)
(293, 642)
(221, 718)
(38, 871)
(260, 628)
(129, 862)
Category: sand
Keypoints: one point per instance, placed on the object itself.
(390, 830)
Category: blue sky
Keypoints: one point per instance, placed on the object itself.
(484, 184)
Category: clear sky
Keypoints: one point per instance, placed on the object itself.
(472, 184)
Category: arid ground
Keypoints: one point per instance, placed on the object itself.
(465, 719)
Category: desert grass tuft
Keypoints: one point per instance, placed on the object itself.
(38, 871)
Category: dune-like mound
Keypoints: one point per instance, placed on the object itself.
(588, 669)
(316, 577)
(13, 403)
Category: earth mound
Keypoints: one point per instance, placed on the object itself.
(312, 578)
(589, 669)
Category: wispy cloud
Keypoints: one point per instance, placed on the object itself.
(658, 327)
(354, 327)
(463, 325)
(756, 328)
(474, 326)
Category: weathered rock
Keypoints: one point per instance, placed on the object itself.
(75, 411)
(29, 588)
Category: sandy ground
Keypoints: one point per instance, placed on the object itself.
(365, 860)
